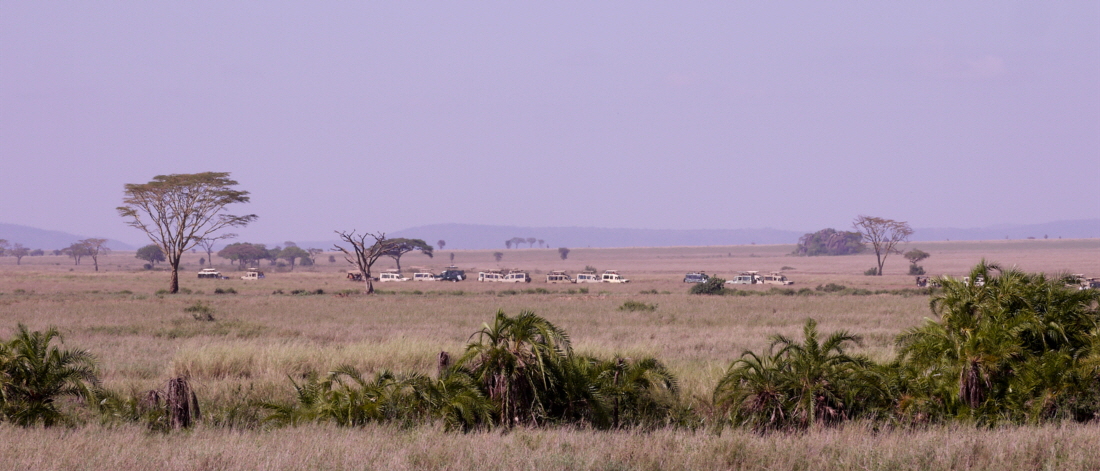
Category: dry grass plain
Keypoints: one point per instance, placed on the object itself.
(259, 339)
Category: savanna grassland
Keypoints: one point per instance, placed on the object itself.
(260, 340)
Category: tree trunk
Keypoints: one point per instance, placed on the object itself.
(370, 283)
(174, 286)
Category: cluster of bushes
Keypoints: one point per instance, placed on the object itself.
(1021, 348)
(519, 371)
(830, 242)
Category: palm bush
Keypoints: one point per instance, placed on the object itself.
(517, 362)
(800, 384)
(1017, 347)
(34, 375)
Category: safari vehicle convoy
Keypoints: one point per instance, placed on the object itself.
(696, 277)
(746, 278)
(424, 276)
(452, 273)
(558, 276)
(776, 278)
(517, 277)
(389, 275)
(587, 277)
(212, 273)
(491, 275)
(613, 276)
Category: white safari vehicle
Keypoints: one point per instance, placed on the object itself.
(491, 275)
(517, 277)
(746, 278)
(391, 275)
(558, 276)
(253, 274)
(424, 276)
(587, 277)
(776, 279)
(613, 276)
(210, 273)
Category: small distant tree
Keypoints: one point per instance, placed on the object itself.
(915, 256)
(293, 253)
(3, 246)
(563, 253)
(150, 253)
(38, 252)
(401, 246)
(441, 243)
(271, 255)
(531, 242)
(77, 251)
(207, 244)
(331, 259)
(508, 243)
(95, 248)
(498, 256)
(313, 253)
(883, 235)
(542, 243)
(18, 251)
(452, 257)
(362, 255)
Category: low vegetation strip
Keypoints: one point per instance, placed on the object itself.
(1017, 349)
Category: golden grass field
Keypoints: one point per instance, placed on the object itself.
(141, 339)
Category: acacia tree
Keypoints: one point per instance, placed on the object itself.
(531, 242)
(563, 252)
(95, 248)
(441, 243)
(207, 244)
(3, 246)
(313, 253)
(76, 251)
(292, 253)
(402, 246)
(915, 256)
(177, 211)
(362, 255)
(883, 235)
(498, 255)
(18, 251)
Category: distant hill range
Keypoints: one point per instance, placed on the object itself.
(34, 238)
(481, 237)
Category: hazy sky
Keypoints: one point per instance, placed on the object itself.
(385, 115)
